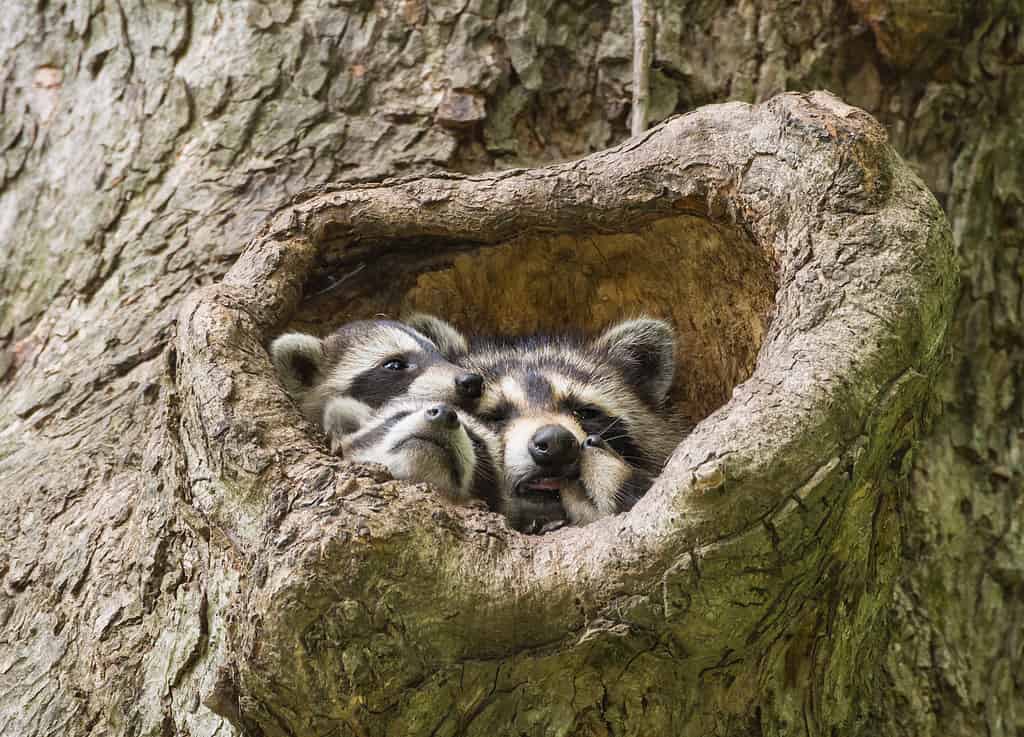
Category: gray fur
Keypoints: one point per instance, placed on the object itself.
(342, 417)
(607, 485)
(448, 339)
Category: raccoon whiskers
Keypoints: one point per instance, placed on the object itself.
(610, 426)
(642, 458)
(613, 439)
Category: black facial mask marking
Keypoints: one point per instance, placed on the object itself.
(485, 482)
(379, 385)
(613, 430)
(499, 415)
(378, 433)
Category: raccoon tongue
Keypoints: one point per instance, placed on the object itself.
(545, 485)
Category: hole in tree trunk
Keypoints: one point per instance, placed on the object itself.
(334, 578)
(709, 280)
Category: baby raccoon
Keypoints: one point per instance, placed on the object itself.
(606, 484)
(369, 363)
(545, 395)
(422, 441)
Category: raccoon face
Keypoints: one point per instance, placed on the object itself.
(370, 362)
(547, 395)
(606, 484)
(423, 442)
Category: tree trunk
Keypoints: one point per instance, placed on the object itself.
(148, 580)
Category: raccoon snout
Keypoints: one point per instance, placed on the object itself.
(469, 386)
(553, 446)
(443, 415)
(594, 441)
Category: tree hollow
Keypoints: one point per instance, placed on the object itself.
(812, 279)
(708, 279)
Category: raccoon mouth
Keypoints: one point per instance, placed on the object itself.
(544, 489)
(546, 483)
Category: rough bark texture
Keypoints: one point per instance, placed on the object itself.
(142, 145)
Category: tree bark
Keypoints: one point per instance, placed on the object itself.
(142, 146)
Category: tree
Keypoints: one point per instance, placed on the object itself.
(143, 147)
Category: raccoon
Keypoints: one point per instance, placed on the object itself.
(368, 363)
(422, 441)
(606, 484)
(546, 395)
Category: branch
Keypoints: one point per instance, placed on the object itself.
(641, 66)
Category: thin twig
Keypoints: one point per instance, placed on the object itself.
(641, 66)
(337, 283)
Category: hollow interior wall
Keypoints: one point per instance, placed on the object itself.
(710, 281)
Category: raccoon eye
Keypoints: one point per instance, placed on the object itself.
(587, 413)
(395, 364)
(497, 416)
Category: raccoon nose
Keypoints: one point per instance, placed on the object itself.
(553, 445)
(593, 441)
(469, 386)
(443, 415)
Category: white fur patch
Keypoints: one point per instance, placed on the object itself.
(436, 383)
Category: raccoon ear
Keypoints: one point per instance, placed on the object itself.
(299, 360)
(646, 349)
(449, 341)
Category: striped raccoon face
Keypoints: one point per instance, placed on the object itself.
(423, 442)
(370, 362)
(547, 395)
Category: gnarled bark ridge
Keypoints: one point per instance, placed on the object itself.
(742, 595)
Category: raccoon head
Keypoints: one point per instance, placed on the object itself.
(427, 442)
(547, 395)
(606, 484)
(370, 362)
